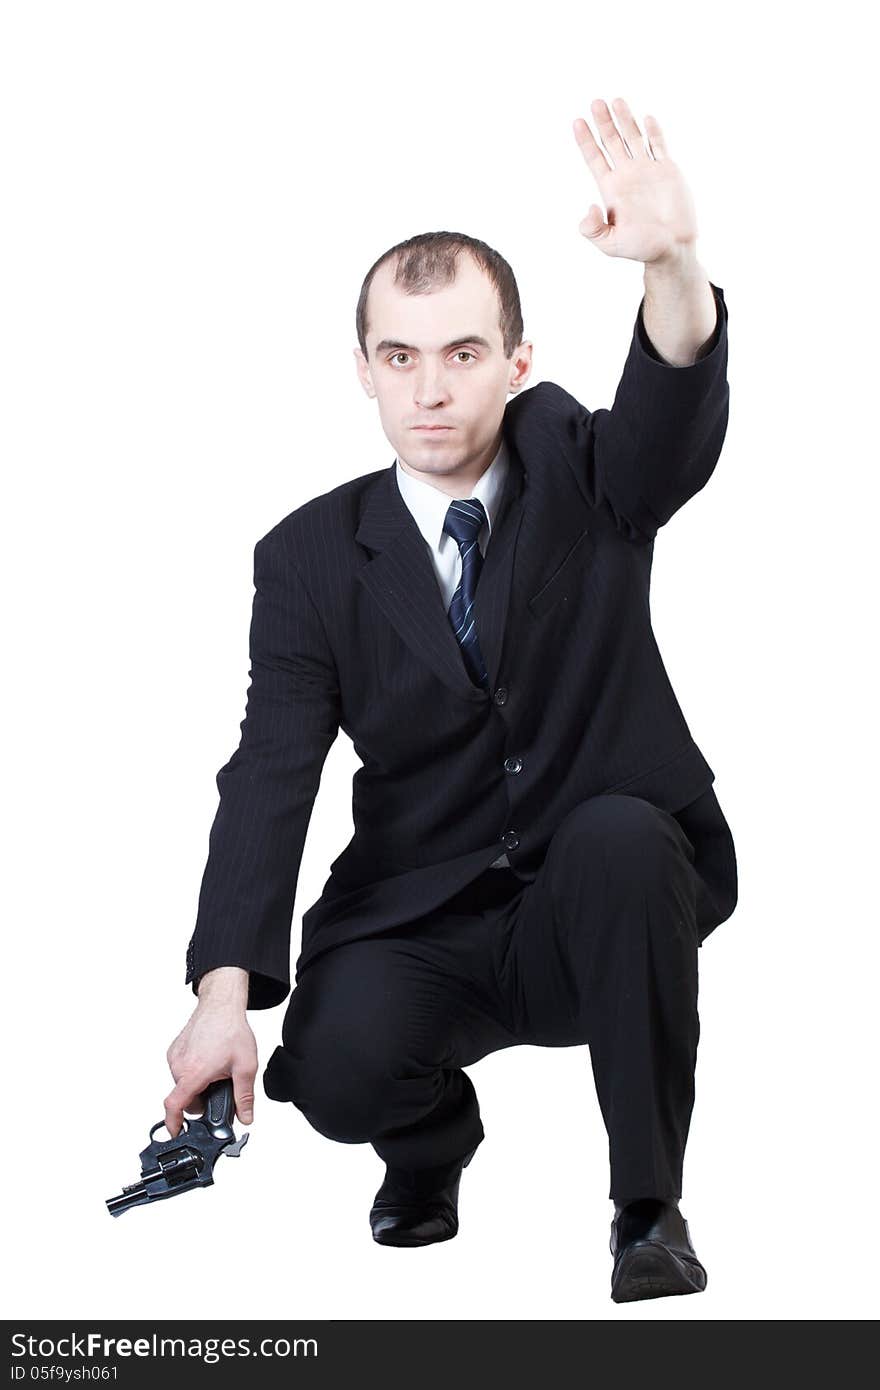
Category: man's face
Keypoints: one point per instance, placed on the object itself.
(438, 360)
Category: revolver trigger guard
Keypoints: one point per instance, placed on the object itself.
(160, 1124)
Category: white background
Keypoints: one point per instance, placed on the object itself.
(193, 194)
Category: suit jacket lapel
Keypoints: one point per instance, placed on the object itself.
(493, 587)
(401, 578)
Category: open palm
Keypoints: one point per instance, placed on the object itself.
(649, 210)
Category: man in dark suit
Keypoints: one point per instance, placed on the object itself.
(538, 851)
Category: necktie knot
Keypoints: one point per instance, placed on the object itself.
(464, 520)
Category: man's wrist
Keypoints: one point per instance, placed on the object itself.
(679, 313)
(681, 263)
(226, 984)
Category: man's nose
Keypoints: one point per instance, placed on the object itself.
(430, 389)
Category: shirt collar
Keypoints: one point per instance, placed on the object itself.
(429, 505)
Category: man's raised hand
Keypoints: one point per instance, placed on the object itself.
(650, 212)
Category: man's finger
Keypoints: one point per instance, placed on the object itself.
(180, 1099)
(610, 135)
(656, 137)
(243, 1087)
(590, 150)
(631, 133)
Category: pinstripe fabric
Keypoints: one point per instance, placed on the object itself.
(349, 630)
(429, 506)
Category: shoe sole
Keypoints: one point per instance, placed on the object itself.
(405, 1241)
(653, 1271)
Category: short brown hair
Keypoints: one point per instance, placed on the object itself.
(427, 262)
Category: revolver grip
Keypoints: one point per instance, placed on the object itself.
(219, 1100)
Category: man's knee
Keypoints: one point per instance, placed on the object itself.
(340, 1050)
(342, 1096)
(621, 834)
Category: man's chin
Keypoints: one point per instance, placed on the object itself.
(431, 458)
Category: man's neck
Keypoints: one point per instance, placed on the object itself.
(462, 482)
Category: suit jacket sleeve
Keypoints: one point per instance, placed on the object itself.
(268, 787)
(659, 443)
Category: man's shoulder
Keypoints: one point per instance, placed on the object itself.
(538, 408)
(544, 424)
(542, 393)
(326, 514)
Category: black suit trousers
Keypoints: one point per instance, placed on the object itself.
(600, 948)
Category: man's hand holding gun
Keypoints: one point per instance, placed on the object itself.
(216, 1042)
(214, 1065)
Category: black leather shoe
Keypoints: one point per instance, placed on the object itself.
(418, 1208)
(652, 1250)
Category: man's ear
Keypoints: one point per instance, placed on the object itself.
(363, 371)
(521, 367)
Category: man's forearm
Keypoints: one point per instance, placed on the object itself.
(226, 985)
(679, 312)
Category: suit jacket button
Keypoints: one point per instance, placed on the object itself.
(500, 696)
(510, 839)
(513, 764)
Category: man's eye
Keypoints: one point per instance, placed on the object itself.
(462, 352)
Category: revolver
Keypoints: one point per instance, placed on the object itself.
(176, 1165)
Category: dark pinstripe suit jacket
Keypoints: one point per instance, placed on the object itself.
(349, 630)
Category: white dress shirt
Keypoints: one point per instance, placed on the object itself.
(429, 507)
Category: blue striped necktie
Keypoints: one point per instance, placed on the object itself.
(464, 521)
